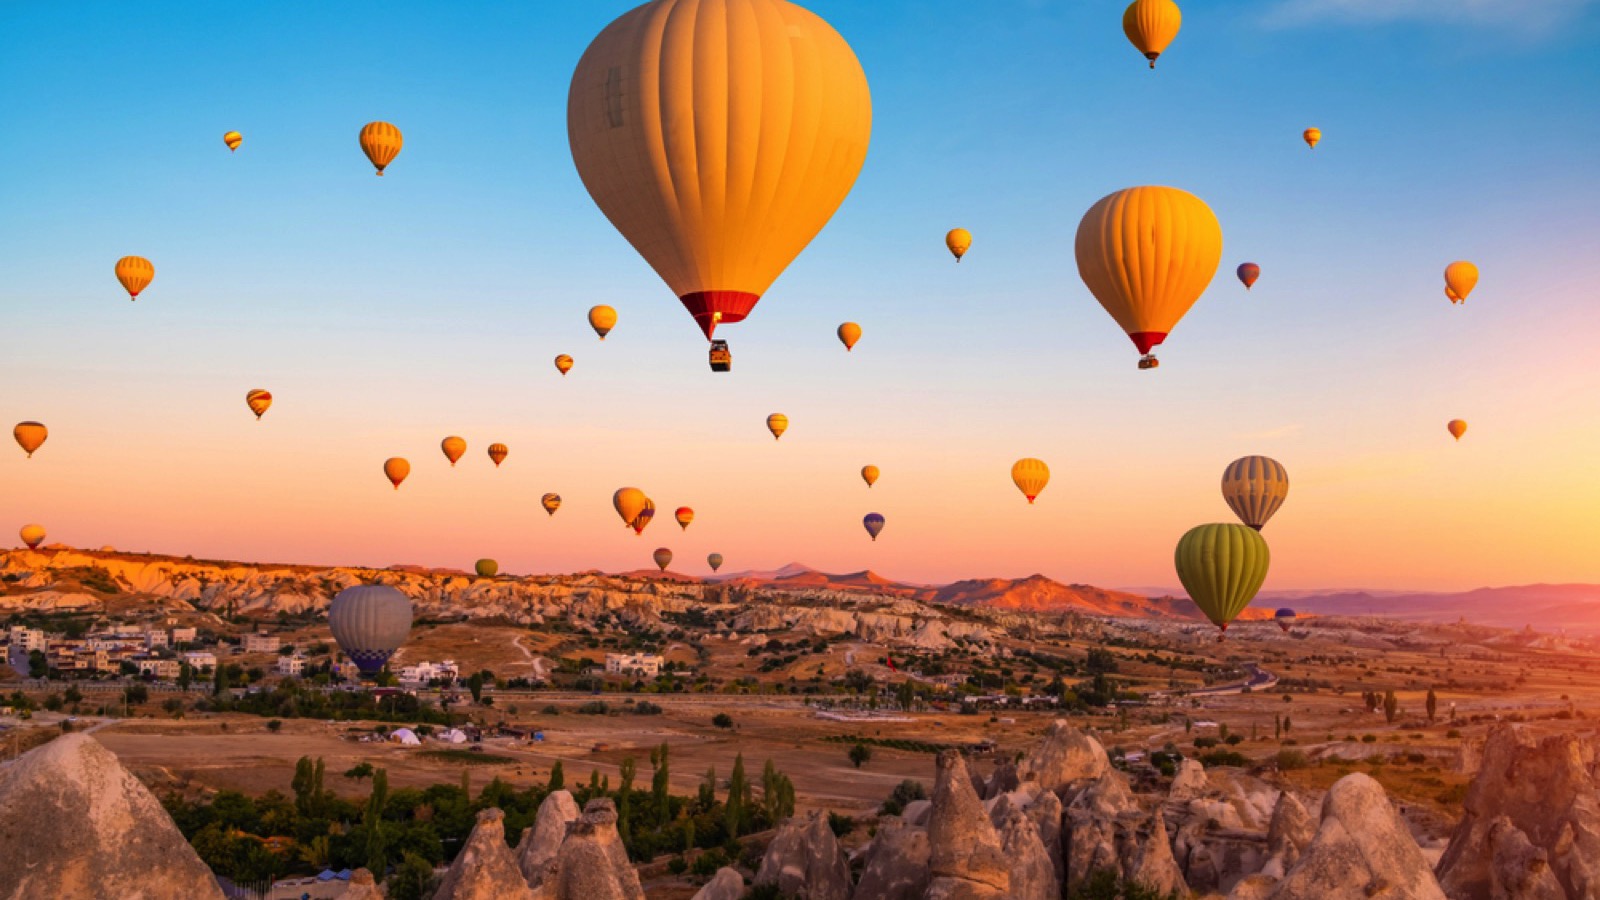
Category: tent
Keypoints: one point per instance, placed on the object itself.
(404, 736)
(453, 736)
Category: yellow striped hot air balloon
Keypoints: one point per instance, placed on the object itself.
(259, 402)
(32, 535)
(602, 319)
(454, 448)
(1254, 487)
(381, 142)
(1147, 254)
(233, 139)
(869, 474)
(135, 273)
(849, 333)
(497, 453)
(1151, 25)
(1460, 277)
(563, 364)
(551, 503)
(777, 423)
(396, 469)
(30, 436)
(1312, 137)
(684, 515)
(719, 137)
(958, 241)
(486, 568)
(1222, 567)
(1030, 476)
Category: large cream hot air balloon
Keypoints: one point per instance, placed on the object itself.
(1030, 476)
(396, 469)
(381, 142)
(370, 622)
(453, 447)
(869, 474)
(259, 402)
(498, 453)
(1254, 487)
(563, 364)
(551, 503)
(958, 241)
(30, 436)
(602, 319)
(663, 557)
(719, 136)
(233, 139)
(1460, 277)
(777, 423)
(1151, 25)
(849, 333)
(32, 535)
(628, 502)
(1457, 428)
(1147, 254)
(135, 273)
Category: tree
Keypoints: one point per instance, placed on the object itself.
(377, 859)
(1391, 706)
(722, 720)
(708, 790)
(1285, 723)
(185, 676)
(860, 753)
(38, 665)
(173, 706)
(1100, 661)
(1277, 726)
(73, 695)
(660, 799)
(735, 810)
(475, 685)
(625, 798)
(135, 693)
(273, 725)
(906, 694)
(558, 779)
(1433, 705)
(219, 681)
(359, 771)
(777, 794)
(410, 881)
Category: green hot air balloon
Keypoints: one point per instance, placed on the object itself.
(370, 622)
(714, 561)
(487, 568)
(1222, 567)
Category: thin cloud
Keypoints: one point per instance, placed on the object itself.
(1282, 431)
(1531, 18)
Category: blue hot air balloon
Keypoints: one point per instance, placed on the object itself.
(370, 622)
(1284, 617)
(873, 523)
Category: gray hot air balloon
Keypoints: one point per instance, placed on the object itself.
(370, 622)
(715, 561)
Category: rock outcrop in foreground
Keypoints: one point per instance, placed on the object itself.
(485, 869)
(75, 823)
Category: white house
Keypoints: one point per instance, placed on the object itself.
(261, 643)
(201, 659)
(154, 639)
(635, 664)
(29, 639)
(160, 668)
(425, 671)
(293, 666)
(183, 635)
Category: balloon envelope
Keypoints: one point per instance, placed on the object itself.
(486, 568)
(396, 470)
(869, 474)
(1151, 25)
(602, 319)
(1248, 273)
(714, 561)
(32, 535)
(849, 333)
(1460, 277)
(381, 142)
(259, 401)
(453, 448)
(551, 503)
(873, 522)
(1030, 476)
(684, 515)
(958, 240)
(497, 453)
(1254, 487)
(370, 622)
(1312, 136)
(233, 139)
(1457, 428)
(1284, 617)
(135, 273)
(30, 436)
(777, 423)
(628, 502)
(1222, 567)
(564, 364)
(643, 519)
(718, 138)
(663, 558)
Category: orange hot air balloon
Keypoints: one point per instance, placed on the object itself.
(135, 273)
(1312, 136)
(958, 241)
(32, 535)
(453, 448)
(1457, 428)
(396, 470)
(381, 142)
(1460, 277)
(563, 364)
(551, 503)
(1451, 295)
(644, 517)
(663, 557)
(1147, 254)
(602, 319)
(233, 139)
(1030, 476)
(849, 333)
(719, 137)
(684, 515)
(869, 474)
(628, 502)
(777, 423)
(259, 401)
(1151, 25)
(497, 452)
(30, 436)
(1248, 273)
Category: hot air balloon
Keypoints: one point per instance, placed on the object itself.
(1248, 273)
(959, 240)
(497, 453)
(453, 448)
(381, 142)
(370, 622)
(551, 503)
(719, 138)
(1147, 254)
(628, 502)
(1457, 427)
(640, 521)
(259, 401)
(563, 364)
(1284, 617)
(869, 474)
(714, 561)
(1222, 567)
(233, 139)
(135, 273)
(663, 557)
(684, 515)
(849, 333)
(32, 535)
(777, 423)
(1312, 136)
(1030, 476)
(873, 522)
(30, 436)
(602, 319)
(1255, 486)
(486, 568)
(396, 470)
(1151, 25)
(1460, 277)
(1451, 295)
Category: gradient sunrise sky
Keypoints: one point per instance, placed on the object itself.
(385, 314)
